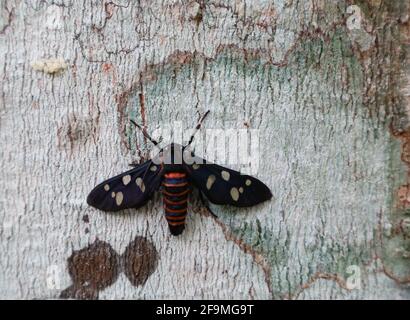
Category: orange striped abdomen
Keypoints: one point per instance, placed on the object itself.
(175, 196)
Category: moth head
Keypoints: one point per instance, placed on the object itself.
(172, 154)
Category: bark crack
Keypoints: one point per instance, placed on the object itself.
(257, 257)
(318, 276)
(10, 18)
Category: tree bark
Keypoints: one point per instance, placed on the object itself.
(325, 85)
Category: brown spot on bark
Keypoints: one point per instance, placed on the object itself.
(109, 70)
(196, 12)
(406, 152)
(107, 67)
(109, 9)
(139, 260)
(142, 105)
(404, 197)
(91, 269)
(403, 194)
(198, 18)
(75, 130)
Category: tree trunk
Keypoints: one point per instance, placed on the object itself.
(323, 85)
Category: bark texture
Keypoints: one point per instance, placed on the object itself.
(325, 83)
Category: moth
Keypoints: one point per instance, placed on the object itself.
(174, 172)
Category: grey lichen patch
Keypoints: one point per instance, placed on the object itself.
(323, 257)
(393, 38)
(394, 246)
(356, 25)
(405, 225)
(385, 88)
(396, 255)
(386, 92)
(75, 130)
(50, 66)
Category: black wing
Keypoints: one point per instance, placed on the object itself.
(225, 186)
(131, 189)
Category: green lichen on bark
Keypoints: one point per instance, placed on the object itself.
(311, 116)
(328, 99)
(386, 94)
(329, 104)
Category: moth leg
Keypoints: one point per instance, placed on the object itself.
(206, 205)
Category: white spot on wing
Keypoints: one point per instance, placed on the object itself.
(153, 168)
(235, 194)
(241, 190)
(195, 166)
(106, 187)
(225, 175)
(126, 179)
(140, 184)
(210, 181)
(113, 194)
(248, 182)
(118, 198)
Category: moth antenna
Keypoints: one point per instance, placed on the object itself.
(197, 128)
(145, 133)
